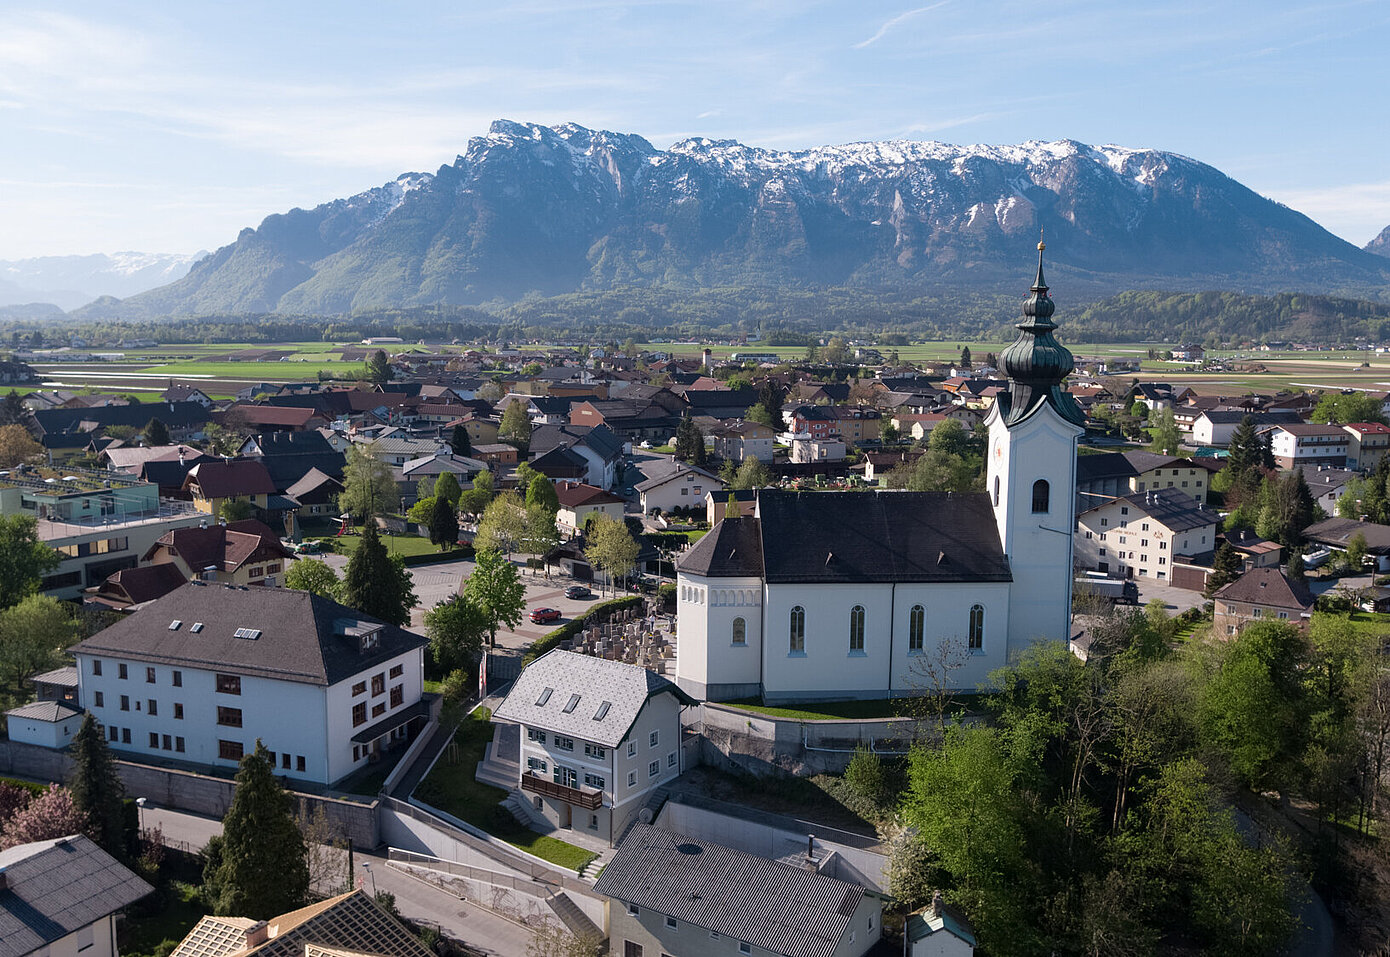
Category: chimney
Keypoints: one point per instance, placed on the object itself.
(936, 902)
(257, 934)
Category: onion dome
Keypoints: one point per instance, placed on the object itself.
(1036, 363)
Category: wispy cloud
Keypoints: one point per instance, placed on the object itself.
(1357, 211)
(901, 18)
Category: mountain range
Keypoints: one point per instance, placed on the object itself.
(533, 210)
(71, 281)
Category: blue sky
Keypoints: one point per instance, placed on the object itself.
(159, 127)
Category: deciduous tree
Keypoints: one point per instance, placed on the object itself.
(610, 546)
(314, 576)
(24, 560)
(497, 589)
(51, 815)
(17, 447)
(33, 633)
(457, 629)
(515, 428)
(369, 488)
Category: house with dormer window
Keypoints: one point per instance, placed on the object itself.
(582, 742)
(203, 673)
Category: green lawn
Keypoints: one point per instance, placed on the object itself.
(1369, 624)
(831, 710)
(406, 545)
(451, 787)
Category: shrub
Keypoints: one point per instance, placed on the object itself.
(865, 775)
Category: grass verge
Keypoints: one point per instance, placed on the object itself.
(450, 786)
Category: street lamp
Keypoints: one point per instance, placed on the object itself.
(140, 813)
(367, 866)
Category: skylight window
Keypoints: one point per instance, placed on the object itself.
(196, 627)
(174, 625)
(545, 696)
(573, 702)
(602, 711)
(250, 634)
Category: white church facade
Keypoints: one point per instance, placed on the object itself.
(838, 595)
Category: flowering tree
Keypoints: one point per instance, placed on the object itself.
(52, 814)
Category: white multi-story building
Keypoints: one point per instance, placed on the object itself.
(208, 670)
(596, 738)
(846, 594)
(1144, 533)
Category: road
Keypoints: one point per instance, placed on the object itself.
(478, 927)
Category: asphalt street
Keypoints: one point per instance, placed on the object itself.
(481, 929)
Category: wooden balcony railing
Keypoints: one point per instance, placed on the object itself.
(547, 788)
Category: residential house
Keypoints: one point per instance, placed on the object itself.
(579, 501)
(672, 484)
(739, 440)
(186, 393)
(632, 419)
(498, 455)
(1216, 426)
(1327, 485)
(131, 587)
(1368, 443)
(877, 464)
(596, 738)
(242, 553)
(671, 894)
(857, 423)
(212, 484)
(600, 448)
(349, 925)
(1261, 594)
(717, 506)
(98, 522)
(1144, 533)
(273, 418)
(316, 494)
(1112, 474)
(73, 428)
(204, 672)
(61, 898)
(805, 449)
(1302, 444)
(1337, 533)
(1254, 551)
(409, 474)
(398, 450)
(289, 456)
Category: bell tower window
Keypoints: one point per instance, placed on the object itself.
(1041, 494)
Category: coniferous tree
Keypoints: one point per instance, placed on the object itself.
(12, 410)
(96, 788)
(378, 368)
(1226, 567)
(444, 523)
(156, 432)
(377, 583)
(447, 489)
(460, 442)
(263, 869)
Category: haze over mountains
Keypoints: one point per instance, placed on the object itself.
(71, 281)
(529, 209)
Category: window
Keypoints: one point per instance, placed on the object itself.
(229, 750)
(359, 688)
(229, 684)
(299, 763)
(916, 628)
(536, 764)
(178, 744)
(534, 735)
(671, 923)
(571, 704)
(125, 736)
(564, 743)
(740, 632)
(671, 760)
(378, 709)
(397, 671)
(378, 684)
(149, 676)
(1102, 553)
(285, 762)
(1144, 527)
(152, 707)
(178, 679)
(744, 948)
(125, 702)
(229, 717)
(653, 739)
(121, 671)
(154, 740)
(113, 732)
(594, 751)
(178, 711)
(98, 699)
(632, 749)
(798, 630)
(977, 627)
(653, 769)
(1257, 612)
(1124, 509)
(856, 628)
(96, 667)
(996, 491)
(1041, 494)
(594, 780)
(397, 695)
(567, 777)
(256, 572)
(632, 779)
(359, 714)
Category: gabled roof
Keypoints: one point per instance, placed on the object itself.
(300, 637)
(667, 470)
(787, 910)
(1173, 508)
(732, 549)
(52, 888)
(1266, 586)
(350, 923)
(577, 495)
(595, 682)
(227, 547)
(1340, 532)
(599, 438)
(312, 481)
(230, 479)
(1367, 428)
(880, 536)
(135, 586)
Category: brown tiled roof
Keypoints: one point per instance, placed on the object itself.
(227, 547)
(1266, 586)
(577, 494)
(230, 479)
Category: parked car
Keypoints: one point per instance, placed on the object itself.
(539, 616)
(578, 591)
(307, 548)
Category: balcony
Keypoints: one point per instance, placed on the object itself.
(589, 800)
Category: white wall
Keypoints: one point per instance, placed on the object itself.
(47, 734)
(709, 661)
(667, 495)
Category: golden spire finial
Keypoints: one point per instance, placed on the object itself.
(1041, 245)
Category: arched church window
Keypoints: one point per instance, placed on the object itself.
(977, 627)
(856, 628)
(798, 630)
(916, 627)
(1041, 493)
(996, 491)
(740, 636)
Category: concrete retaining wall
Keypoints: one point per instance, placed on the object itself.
(740, 740)
(186, 790)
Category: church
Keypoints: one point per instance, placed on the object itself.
(837, 595)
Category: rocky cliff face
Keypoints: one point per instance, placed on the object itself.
(554, 209)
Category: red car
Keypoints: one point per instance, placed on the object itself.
(540, 616)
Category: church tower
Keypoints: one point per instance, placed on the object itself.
(1031, 473)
